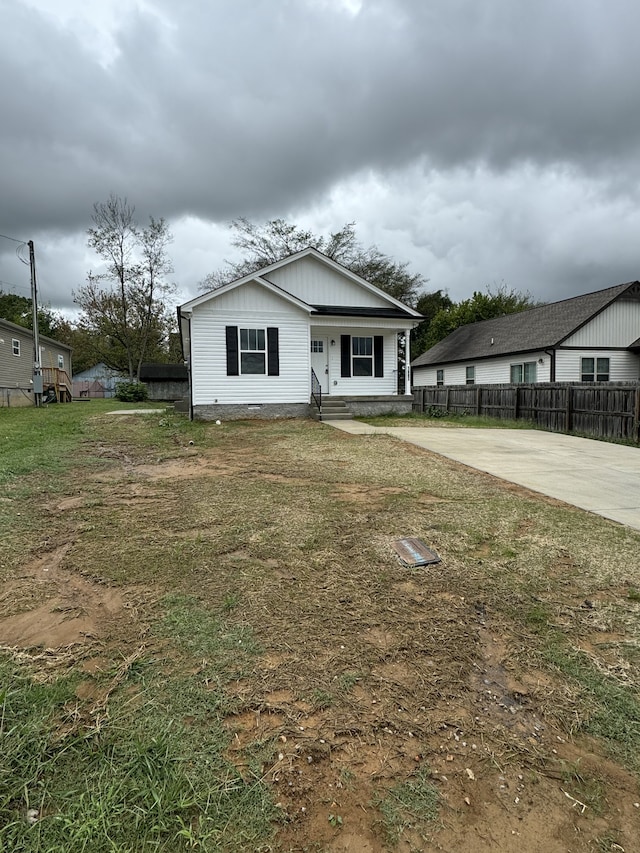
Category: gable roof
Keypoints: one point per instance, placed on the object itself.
(538, 328)
(261, 276)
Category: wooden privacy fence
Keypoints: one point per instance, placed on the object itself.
(595, 409)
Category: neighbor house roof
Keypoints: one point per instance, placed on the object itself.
(536, 329)
(154, 371)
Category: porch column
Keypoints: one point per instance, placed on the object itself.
(407, 360)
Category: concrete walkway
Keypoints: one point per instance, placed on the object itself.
(594, 475)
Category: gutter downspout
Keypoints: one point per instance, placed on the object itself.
(188, 359)
(552, 370)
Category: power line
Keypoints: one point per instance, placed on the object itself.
(14, 239)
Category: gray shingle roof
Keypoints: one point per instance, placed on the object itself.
(535, 329)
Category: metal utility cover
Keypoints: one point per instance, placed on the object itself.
(413, 552)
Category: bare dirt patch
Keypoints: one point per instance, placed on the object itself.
(46, 605)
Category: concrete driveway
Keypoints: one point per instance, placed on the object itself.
(594, 475)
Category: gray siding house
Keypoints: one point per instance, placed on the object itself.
(16, 366)
(589, 338)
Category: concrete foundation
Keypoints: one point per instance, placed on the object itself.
(368, 406)
(14, 397)
(245, 411)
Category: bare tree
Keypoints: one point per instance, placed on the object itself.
(264, 244)
(124, 306)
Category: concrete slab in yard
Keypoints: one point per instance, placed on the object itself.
(593, 475)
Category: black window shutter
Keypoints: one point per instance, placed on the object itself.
(273, 358)
(232, 350)
(378, 365)
(345, 355)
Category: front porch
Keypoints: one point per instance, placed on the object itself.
(327, 407)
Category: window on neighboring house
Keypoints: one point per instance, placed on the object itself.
(61, 362)
(523, 372)
(15, 345)
(362, 356)
(253, 352)
(470, 377)
(594, 369)
(439, 377)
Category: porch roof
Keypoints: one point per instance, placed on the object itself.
(358, 311)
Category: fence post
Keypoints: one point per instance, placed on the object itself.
(569, 414)
(478, 390)
(517, 404)
(636, 414)
(446, 405)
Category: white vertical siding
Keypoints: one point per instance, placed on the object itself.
(317, 284)
(617, 326)
(624, 366)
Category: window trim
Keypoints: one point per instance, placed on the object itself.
(439, 377)
(16, 347)
(470, 375)
(252, 350)
(596, 374)
(60, 362)
(523, 365)
(366, 357)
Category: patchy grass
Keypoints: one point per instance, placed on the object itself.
(441, 418)
(410, 805)
(274, 665)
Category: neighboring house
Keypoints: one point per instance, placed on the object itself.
(165, 382)
(17, 361)
(96, 381)
(590, 338)
(259, 346)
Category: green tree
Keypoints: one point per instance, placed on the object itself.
(17, 309)
(481, 306)
(123, 308)
(429, 304)
(264, 244)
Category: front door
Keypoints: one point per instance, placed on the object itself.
(320, 362)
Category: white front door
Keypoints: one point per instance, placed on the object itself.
(320, 362)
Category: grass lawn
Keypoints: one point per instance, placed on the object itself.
(206, 643)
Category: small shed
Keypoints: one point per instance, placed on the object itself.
(165, 382)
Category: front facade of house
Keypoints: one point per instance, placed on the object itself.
(590, 338)
(17, 360)
(259, 346)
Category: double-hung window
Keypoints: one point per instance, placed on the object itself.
(60, 362)
(523, 372)
(470, 376)
(594, 369)
(440, 377)
(15, 346)
(253, 351)
(362, 356)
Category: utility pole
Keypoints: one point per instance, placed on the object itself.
(37, 367)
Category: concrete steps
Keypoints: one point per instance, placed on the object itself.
(333, 410)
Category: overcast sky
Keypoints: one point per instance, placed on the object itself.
(479, 141)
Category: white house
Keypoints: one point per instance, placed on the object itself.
(300, 333)
(590, 338)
